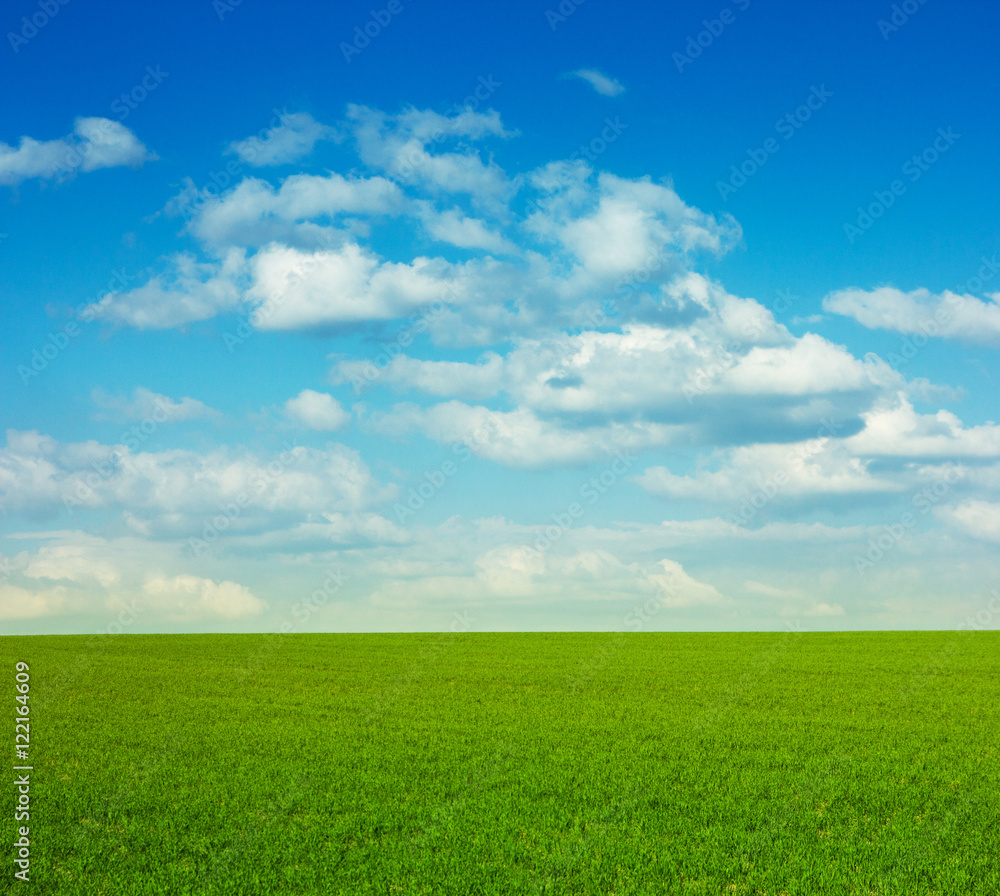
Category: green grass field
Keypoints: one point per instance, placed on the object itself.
(510, 763)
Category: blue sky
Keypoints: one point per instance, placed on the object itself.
(409, 317)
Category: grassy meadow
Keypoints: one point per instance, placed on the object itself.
(534, 763)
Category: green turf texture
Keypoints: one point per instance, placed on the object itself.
(529, 763)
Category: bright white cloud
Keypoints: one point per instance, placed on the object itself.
(94, 143)
(305, 290)
(291, 139)
(894, 429)
(623, 226)
(920, 312)
(316, 410)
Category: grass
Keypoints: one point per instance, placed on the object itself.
(849, 763)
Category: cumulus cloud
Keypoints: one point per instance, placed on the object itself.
(79, 561)
(94, 143)
(191, 291)
(292, 138)
(308, 290)
(185, 598)
(894, 429)
(178, 491)
(18, 603)
(399, 145)
(948, 315)
(775, 472)
(678, 589)
(518, 438)
(254, 213)
(600, 82)
(980, 519)
(453, 227)
(623, 226)
(316, 410)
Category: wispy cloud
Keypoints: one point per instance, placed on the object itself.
(603, 84)
(94, 143)
(293, 138)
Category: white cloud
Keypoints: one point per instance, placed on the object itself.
(316, 410)
(623, 226)
(291, 139)
(20, 603)
(981, 519)
(178, 492)
(824, 609)
(600, 82)
(147, 405)
(483, 379)
(193, 291)
(772, 472)
(519, 438)
(254, 212)
(79, 562)
(725, 354)
(186, 598)
(948, 314)
(678, 589)
(453, 227)
(398, 145)
(94, 143)
(303, 290)
(894, 429)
